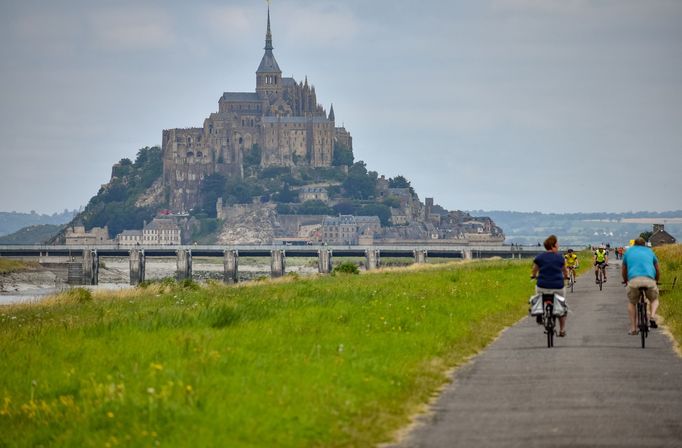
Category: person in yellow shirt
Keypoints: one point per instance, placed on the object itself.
(571, 262)
(601, 258)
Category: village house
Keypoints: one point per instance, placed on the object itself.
(660, 236)
(313, 194)
(162, 231)
(129, 238)
(348, 229)
(78, 236)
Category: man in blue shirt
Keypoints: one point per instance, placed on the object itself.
(640, 269)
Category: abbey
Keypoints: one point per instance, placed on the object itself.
(281, 120)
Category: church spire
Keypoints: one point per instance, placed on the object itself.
(268, 34)
(268, 75)
(331, 113)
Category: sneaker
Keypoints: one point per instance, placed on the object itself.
(538, 319)
(562, 334)
(652, 323)
(633, 332)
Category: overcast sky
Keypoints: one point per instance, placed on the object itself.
(547, 105)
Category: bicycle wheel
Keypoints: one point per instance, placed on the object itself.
(549, 325)
(601, 279)
(643, 324)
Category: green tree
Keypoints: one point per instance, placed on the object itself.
(345, 208)
(360, 183)
(242, 191)
(286, 194)
(398, 182)
(314, 208)
(391, 201)
(646, 235)
(210, 189)
(380, 210)
(342, 155)
(252, 158)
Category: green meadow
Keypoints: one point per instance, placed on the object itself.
(343, 360)
(670, 263)
(9, 266)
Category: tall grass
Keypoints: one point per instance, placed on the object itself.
(8, 266)
(329, 361)
(670, 263)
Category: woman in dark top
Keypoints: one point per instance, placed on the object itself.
(550, 270)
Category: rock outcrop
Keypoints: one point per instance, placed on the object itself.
(248, 224)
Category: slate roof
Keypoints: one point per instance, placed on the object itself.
(161, 224)
(298, 120)
(268, 64)
(241, 96)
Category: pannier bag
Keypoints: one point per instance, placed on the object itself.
(536, 305)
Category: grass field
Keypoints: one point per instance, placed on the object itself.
(332, 361)
(670, 263)
(8, 266)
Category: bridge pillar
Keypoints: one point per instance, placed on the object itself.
(184, 265)
(372, 258)
(90, 267)
(231, 265)
(420, 256)
(137, 264)
(277, 263)
(466, 254)
(324, 261)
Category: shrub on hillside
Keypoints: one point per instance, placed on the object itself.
(346, 267)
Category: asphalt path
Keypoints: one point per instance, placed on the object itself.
(596, 388)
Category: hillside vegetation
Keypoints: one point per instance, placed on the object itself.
(115, 203)
(341, 360)
(670, 262)
(37, 234)
(11, 222)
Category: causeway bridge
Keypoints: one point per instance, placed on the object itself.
(83, 261)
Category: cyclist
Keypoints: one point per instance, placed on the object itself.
(601, 258)
(640, 269)
(571, 261)
(550, 270)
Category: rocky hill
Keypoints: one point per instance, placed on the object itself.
(253, 208)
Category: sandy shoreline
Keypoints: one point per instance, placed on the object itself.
(33, 285)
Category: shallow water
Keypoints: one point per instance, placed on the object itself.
(37, 294)
(27, 296)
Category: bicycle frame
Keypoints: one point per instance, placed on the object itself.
(601, 273)
(548, 318)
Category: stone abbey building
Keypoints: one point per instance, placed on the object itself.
(281, 118)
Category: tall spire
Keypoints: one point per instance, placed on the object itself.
(268, 64)
(268, 34)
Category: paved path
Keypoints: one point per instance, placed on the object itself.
(595, 388)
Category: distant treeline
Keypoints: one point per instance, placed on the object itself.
(577, 228)
(10, 222)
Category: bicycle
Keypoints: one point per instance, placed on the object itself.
(548, 318)
(642, 318)
(601, 275)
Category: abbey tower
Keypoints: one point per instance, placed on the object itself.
(281, 119)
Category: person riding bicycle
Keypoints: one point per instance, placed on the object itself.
(640, 269)
(601, 259)
(550, 270)
(571, 260)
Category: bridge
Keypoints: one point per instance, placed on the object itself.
(83, 261)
